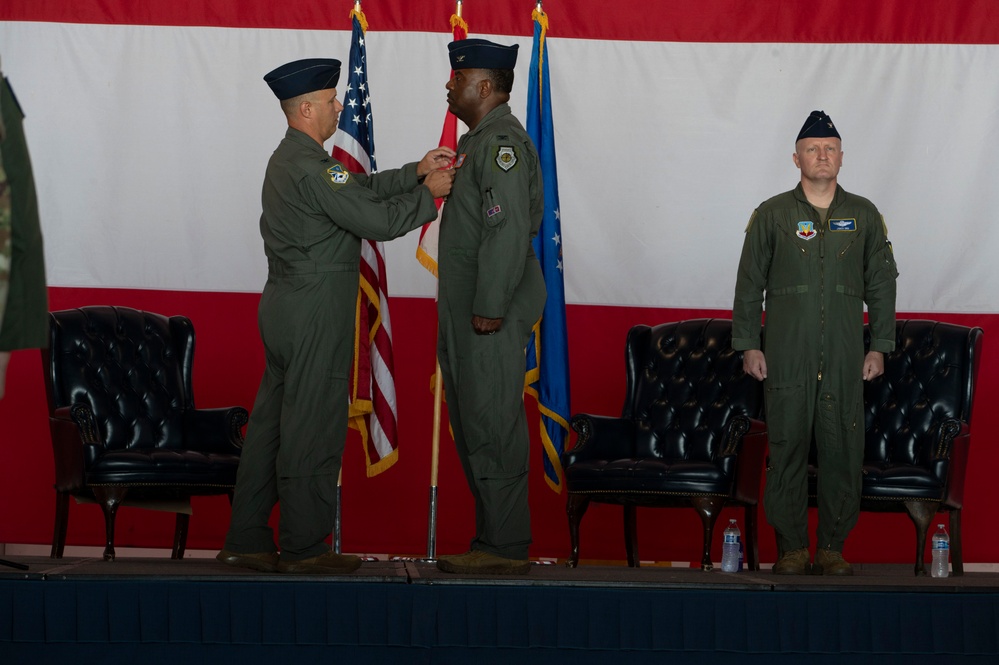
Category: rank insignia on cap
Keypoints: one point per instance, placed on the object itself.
(506, 157)
(338, 174)
(842, 225)
(806, 231)
(495, 210)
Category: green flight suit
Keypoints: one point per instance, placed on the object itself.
(24, 322)
(487, 268)
(816, 275)
(314, 217)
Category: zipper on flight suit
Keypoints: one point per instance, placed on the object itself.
(848, 246)
(822, 291)
(792, 236)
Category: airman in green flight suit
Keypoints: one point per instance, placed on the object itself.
(491, 294)
(816, 254)
(315, 214)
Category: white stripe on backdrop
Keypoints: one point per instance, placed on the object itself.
(149, 145)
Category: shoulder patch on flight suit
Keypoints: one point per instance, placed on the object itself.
(842, 224)
(336, 176)
(506, 157)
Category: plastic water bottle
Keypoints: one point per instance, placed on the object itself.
(730, 548)
(941, 553)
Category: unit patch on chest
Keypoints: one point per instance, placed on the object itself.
(806, 230)
(842, 225)
(506, 157)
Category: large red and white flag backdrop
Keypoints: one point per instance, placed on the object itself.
(149, 126)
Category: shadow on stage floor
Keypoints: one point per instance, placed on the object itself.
(200, 611)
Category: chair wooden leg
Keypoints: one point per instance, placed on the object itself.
(708, 507)
(110, 498)
(921, 513)
(575, 508)
(61, 524)
(180, 536)
(956, 553)
(631, 535)
(750, 542)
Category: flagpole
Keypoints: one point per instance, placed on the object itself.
(337, 524)
(435, 438)
(337, 543)
(435, 446)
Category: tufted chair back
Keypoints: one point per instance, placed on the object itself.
(132, 368)
(928, 381)
(685, 384)
(917, 419)
(689, 435)
(123, 419)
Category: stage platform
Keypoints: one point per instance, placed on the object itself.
(194, 611)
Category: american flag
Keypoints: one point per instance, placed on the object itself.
(373, 407)
(426, 250)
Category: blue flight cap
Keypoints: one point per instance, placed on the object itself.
(818, 126)
(302, 76)
(481, 54)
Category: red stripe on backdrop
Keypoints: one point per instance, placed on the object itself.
(228, 366)
(846, 21)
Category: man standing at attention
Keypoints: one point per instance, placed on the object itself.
(315, 214)
(818, 254)
(491, 293)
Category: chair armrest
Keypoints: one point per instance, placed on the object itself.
(752, 455)
(600, 437)
(67, 448)
(959, 447)
(215, 430)
(738, 428)
(946, 434)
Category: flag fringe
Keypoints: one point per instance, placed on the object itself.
(426, 260)
(359, 15)
(373, 298)
(458, 22)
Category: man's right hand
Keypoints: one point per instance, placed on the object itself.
(754, 364)
(439, 182)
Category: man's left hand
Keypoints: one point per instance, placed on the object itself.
(874, 365)
(484, 326)
(438, 158)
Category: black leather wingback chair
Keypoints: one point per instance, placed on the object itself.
(122, 416)
(689, 435)
(918, 428)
